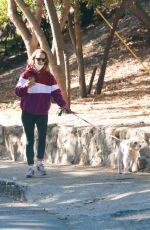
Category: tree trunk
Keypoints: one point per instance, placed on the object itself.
(20, 25)
(79, 52)
(62, 20)
(136, 9)
(38, 15)
(91, 80)
(56, 32)
(71, 32)
(148, 38)
(30, 40)
(100, 82)
(64, 13)
(68, 77)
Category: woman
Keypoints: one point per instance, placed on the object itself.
(36, 85)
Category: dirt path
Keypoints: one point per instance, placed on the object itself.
(87, 197)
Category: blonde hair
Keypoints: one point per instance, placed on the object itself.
(32, 58)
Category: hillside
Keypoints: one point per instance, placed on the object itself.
(125, 96)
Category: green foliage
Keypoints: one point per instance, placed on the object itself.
(91, 3)
(112, 2)
(31, 4)
(3, 13)
(94, 3)
(9, 44)
(58, 4)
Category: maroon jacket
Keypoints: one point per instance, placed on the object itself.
(37, 99)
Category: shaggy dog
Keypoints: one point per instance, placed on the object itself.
(128, 154)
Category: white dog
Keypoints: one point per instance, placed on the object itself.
(128, 154)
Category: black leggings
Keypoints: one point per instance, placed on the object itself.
(29, 121)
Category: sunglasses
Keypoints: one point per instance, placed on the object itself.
(41, 59)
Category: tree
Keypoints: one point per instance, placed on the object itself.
(28, 25)
(76, 38)
(78, 49)
(100, 82)
(136, 9)
(23, 26)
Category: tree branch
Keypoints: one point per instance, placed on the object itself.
(56, 32)
(136, 9)
(36, 28)
(17, 20)
(64, 13)
(38, 16)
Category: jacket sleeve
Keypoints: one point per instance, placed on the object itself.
(21, 89)
(56, 93)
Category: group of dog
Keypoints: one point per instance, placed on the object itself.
(128, 151)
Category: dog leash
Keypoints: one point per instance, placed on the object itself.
(92, 125)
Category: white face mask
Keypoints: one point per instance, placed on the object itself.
(38, 67)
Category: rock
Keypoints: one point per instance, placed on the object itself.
(15, 142)
(75, 145)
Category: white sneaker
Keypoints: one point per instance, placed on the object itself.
(30, 172)
(41, 169)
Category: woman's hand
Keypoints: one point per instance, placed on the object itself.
(30, 82)
(64, 110)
